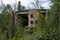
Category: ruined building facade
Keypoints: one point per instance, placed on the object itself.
(31, 16)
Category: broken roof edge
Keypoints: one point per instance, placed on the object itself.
(31, 9)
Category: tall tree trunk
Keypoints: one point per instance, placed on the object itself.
(14, 23)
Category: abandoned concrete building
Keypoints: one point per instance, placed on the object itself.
(31, 16)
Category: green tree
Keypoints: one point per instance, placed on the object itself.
(40, 27)
(51, 25)
(20, 7)
(19, 29)
(49, 28)
(6, 21)
(53, 21)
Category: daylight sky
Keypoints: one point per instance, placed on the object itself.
(25, 3)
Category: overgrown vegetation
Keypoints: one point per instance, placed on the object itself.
(6, 22)
(46, 28)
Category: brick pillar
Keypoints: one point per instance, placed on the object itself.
(32, 17)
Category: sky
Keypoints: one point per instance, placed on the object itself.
(25, 3)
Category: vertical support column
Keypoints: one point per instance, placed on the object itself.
(46, 14)
(33, 19)
(28, 19)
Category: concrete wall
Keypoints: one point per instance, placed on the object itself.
(32, 20)
(32, 17)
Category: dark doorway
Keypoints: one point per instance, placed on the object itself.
(25, 19)
(44, 14)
